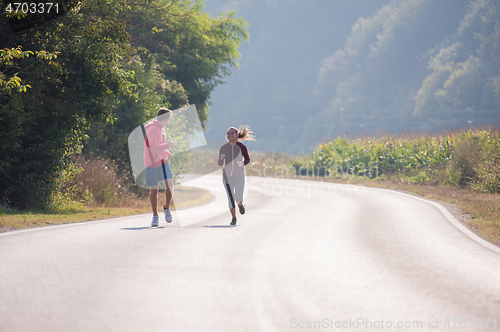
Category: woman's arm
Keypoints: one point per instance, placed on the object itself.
(244, 152)
(220, 161)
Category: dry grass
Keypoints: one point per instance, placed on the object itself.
(184, 196)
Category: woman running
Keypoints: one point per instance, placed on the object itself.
(233, 174)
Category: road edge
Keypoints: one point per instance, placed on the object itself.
(452, 219)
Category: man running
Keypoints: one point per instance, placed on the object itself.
(156, 161)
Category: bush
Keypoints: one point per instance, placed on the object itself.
(420, 178)
(488, 170)
(92, 181)
(466, 157)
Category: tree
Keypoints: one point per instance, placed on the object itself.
(189, 46)
(462, 77)
(46, 124)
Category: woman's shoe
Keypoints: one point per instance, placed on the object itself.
(242, 208)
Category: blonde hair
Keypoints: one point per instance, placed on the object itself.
(244, 133)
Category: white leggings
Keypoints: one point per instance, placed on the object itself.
(236, 188)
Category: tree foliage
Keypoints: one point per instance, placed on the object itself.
(188, 45)
(415, 64)
(464, 75)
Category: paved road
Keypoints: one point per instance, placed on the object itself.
(306, 256)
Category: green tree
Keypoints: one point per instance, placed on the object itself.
(150, 92)
(463, 76)
(374, 78)
(189, 46)
(46, 124)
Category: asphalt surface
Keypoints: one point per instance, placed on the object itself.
(307, 256)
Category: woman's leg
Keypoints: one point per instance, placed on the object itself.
(229, 187)
(239, 188)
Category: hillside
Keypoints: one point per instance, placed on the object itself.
(314, 71)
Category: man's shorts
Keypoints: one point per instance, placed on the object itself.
(157, 174)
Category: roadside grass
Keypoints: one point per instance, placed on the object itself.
(77, 212)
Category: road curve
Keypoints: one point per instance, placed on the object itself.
(306, 256)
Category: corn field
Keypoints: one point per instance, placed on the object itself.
(460, 158)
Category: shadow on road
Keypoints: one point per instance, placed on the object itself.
(140, 228)
(221, 226)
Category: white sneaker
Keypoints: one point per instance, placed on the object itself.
(154, 222)
(168, 215)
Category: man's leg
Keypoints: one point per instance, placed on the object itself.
(169, 192)
(153, 198)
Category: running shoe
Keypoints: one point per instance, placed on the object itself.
(154, 222)
(242, 208)
(168, 215)
(233, 221)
